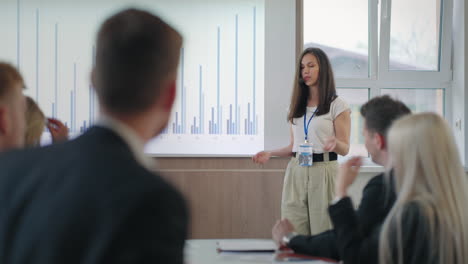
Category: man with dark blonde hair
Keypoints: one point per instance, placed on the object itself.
(97, 199)
(12, 108)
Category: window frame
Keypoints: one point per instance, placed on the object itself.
(380, 77)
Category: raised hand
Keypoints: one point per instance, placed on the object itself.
(346, 175)
(57, 129)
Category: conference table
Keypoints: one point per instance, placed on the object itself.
(204, 251)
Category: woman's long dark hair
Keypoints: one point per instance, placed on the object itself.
(301, 92)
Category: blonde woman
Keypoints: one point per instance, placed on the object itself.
(36, 123)
(429, 221)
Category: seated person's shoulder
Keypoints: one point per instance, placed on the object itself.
(376, 181)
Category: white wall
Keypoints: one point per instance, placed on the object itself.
(465, 67)
(280, 53)
(459, 93)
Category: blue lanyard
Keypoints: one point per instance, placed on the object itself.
(306, 128)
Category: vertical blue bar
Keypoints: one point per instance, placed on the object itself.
(37, 56)
(173, 128)
(212, 120)
(202, 121)
(254, 120)
(93, 103)
(182, 114)
(236, 126)
(56, 70)
(209, 126)
(217, 78)
(90, 103)
(194, 122)
(18, 35)
(71, 111)
(248, 118)
(177, 122)
(230, 120)
(200, 103)
(92, 106)
(245, 127)
(74, 95)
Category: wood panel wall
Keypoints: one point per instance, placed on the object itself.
(232, 197)
(228, 197)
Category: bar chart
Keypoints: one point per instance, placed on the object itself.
(219, 105)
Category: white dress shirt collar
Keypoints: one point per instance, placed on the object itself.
(130, 137)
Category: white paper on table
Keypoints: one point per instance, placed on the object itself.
(248, 245)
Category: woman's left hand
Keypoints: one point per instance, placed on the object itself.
(330, 144)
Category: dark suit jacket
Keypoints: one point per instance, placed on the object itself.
(87, 201)
(357, 248)
(357, 237)
(375, 204)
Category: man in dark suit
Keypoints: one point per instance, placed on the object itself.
(12, 108)
(377, 198)
(96, 199)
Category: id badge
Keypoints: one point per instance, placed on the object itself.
(305, 154)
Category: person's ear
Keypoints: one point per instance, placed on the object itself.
(4, 120)
(380, 141)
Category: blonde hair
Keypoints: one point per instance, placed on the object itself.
(9, 76)
(429, 174)
(35, 123)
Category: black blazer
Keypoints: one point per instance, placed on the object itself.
(357, 248)
(356, 237)
(375, 204)
(87, 201)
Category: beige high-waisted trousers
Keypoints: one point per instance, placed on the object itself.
(307, 193)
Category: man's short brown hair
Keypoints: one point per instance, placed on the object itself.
(136, 52)
(380, 112)
(9, 76)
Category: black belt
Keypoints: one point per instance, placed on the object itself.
(318, 157)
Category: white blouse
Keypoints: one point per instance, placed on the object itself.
(320, 128)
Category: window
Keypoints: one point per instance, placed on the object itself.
(356, 97)
(395, 47)
(414, 35)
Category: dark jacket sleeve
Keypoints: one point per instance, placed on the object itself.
(375, 205)
(377, 201)
(154, 232)
(353, 245)
(321, 245)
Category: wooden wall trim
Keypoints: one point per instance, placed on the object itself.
(228, 197)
